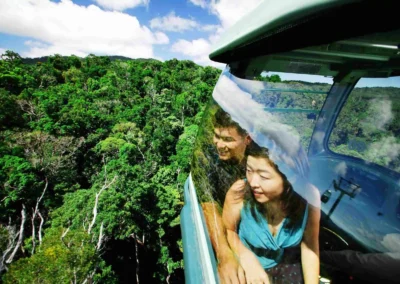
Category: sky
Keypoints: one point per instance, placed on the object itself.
(161, 29)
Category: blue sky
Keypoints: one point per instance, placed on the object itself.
(162, 29)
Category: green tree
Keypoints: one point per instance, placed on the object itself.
(65, 256)
(99, 147)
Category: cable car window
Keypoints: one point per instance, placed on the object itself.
(369, 123)
(359, 227)
(262, 107)
(257, 130)
(304, 124)
(295, 99)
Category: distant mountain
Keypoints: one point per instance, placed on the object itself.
(112, 58)
(34, 60)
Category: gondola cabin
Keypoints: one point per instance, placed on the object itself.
(314, 86)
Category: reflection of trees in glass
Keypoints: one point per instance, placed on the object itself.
(368, 126)
(291, 102)
(274, 78)
(202, 155)
(296, 104)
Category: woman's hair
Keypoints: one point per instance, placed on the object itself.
(292, 203)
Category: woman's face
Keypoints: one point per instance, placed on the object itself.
(265, 182)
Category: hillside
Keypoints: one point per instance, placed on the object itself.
(93, 156)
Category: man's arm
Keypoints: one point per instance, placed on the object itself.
(228, 267)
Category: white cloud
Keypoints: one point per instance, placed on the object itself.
(161, 38)
(173, 23)
(197, 50)
(2, 50)
(209, 28)
(67, 28)
(39, 49)
(201, 3)
(217, 34)
(120, 5)
(33, 43)
(230, 11)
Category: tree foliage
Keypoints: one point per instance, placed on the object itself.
(94, 152)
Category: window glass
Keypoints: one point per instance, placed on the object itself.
(255, 135)
(369, 123)
(250, 153)
(274, 113)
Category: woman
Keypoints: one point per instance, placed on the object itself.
(270, 228)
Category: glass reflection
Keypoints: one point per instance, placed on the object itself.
(230, 127)
(266, 227)
(352, 181)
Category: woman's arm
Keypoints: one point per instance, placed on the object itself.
(310, 247)
(231, 214)
(254, 272)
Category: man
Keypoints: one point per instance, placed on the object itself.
(220, 167)
(230, 142)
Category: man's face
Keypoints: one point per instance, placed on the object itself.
(229, 143)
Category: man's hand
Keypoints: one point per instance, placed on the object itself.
(230, 271)
(254, 272)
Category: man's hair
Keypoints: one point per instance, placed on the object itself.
(222, 119)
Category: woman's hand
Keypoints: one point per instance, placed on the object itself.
(236, 192)
(254, 272)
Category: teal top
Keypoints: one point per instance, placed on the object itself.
(256, 236)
